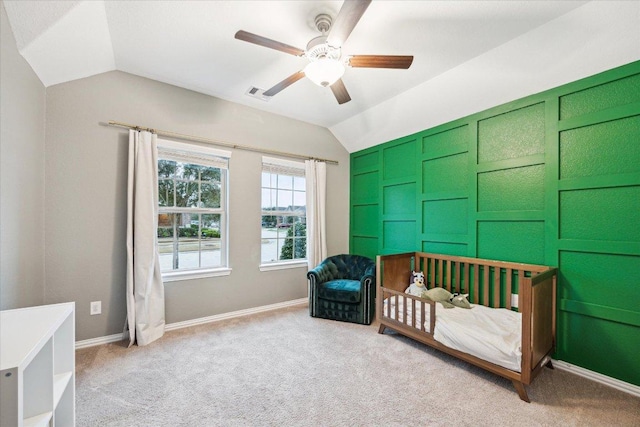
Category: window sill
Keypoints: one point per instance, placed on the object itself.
(175, 276)
(283, 265)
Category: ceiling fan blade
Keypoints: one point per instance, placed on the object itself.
(272, 44)
(349, 15)
(340, 92)
(380, 61)
(284, 84)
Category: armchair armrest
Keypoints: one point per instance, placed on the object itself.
(320, 274)
(369, 278)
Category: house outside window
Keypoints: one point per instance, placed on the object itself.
(284, 209)
(192, 210)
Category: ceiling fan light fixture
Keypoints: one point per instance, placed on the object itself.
(324, 71)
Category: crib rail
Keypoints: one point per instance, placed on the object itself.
(416, 304)
(489, 283)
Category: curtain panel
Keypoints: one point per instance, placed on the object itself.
(316, 173)
(145, 290)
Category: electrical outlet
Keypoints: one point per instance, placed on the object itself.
(96, 307)
(514, 300)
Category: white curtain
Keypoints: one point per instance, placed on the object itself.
(316, 178)
(145, 291)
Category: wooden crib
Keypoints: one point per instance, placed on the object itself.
(489, 283)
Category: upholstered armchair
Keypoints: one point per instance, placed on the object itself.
(343, 288)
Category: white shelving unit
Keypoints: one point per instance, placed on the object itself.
(37, 366)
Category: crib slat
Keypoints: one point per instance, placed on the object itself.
(508, 291)
(413, 313)
(422, 316)
(496, 287)
(433, 272)
(396, 308)
(457, 283)
(432, 317)
(440, 278)
(520, 282)
(404, 310)
(485, 293)
(465, 278)
(476, 280)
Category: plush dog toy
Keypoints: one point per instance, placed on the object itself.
(460, 300)
(416, 288)
(446, 298)
(440, 295)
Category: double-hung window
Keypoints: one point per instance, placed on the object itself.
(192, 211)
(284, 210)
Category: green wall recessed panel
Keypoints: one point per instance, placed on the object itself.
(365, 161)
(603, 279)
(601, 149)
(399, 199)
(365, 220)
(399, 160)
(445, 216)
(611, 214)
(446, 248)
(366, 246)
(445, 174)
(511, 189)
(609, 348)
(616, 93)
(399, 235)
(518, 133)
(450, 141)
(365, 187)
(517, 241)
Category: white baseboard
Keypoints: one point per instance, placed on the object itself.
(100, 340)
(233, 314)
(185, 324)
(594, 376)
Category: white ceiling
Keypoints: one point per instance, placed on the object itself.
(191, 44)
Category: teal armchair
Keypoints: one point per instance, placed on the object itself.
(343, 288)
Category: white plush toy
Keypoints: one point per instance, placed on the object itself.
(417, 284)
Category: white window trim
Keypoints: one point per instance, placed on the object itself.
(286, 264)
(178, 275)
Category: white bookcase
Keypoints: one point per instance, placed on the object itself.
(37, 366)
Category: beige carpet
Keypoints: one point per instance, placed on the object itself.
(284, 368)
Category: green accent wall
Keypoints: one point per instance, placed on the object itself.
(553, 178)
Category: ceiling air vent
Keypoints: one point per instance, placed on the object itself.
(258, 93)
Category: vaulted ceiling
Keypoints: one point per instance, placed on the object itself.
(191, 44)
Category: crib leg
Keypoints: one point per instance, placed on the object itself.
(521, 391)
(381, 329)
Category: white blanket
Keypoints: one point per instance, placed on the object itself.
(491, 334)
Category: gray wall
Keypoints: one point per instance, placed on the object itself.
(22, 192)
(86, 174)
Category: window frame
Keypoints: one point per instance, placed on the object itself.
(192, 153)
(301, 168)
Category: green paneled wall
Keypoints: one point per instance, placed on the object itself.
(552, 179)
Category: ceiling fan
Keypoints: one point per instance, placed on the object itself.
(325, 67)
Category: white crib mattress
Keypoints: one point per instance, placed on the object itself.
(491, 334)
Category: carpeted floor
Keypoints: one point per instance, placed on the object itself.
(284, 368)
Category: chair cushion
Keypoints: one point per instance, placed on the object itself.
(340, 290)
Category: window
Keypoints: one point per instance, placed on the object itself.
(284, 209)
(192, 213)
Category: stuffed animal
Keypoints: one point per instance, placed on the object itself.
(460, 300)
(440, 295)
(446, 298)
(416, 286)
